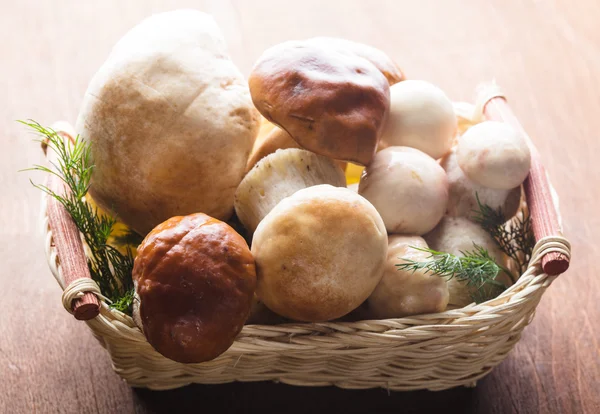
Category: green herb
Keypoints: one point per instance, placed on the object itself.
(476, 268)
(108, 267)
(514, 238)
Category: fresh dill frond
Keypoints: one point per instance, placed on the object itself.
(125, 302)
(108, 267)
(476, 268)
(515, 237)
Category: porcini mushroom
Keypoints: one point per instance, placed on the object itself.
(494, 155)
(279, 175)
(408, 188)
(169, 121)
(331, 102)
(404, 292)
(421, 117)
(464, 193)
(194, 278)
(319, 253)
(457, 235)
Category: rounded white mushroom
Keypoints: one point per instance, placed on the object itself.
(456, 235)
(169, 121)
(278, 175)
(319, 254)
(404, 292)
(408, 188)
(421, 116)
(463, 193)
(494, 155)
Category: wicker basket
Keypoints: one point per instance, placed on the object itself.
(434, 351)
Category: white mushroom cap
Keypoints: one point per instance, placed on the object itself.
(464, 192)
(494, 155)
(421, 116)
(458, 234)
(319, 253)
(279, 175)
(404, 292)
(408, 188)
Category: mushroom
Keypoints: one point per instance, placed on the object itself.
(421, 117)
(464, 193)
(169, 121)
(494, 155)
(456, 235)
(331, 102)
(319, 253)
(194, 279)
(279, 175)
(404, 292)
(408, 188)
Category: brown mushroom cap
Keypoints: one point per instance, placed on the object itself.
(332, 103)
(195, 278)
(319, 253)
(378, 58)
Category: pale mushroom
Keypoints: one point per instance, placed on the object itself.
(408, 188)
(319, 254)
(279, 175)
(463, 193)
(494, 155)
(169, 121)
(404, 292)
(421, 117)
(457, 235)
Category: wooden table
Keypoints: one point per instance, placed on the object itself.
(545, 54)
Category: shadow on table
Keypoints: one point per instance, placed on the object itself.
(267, 397)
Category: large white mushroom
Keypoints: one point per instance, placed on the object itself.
(408, 188)
(494, 155)
(170, 122)
(319, 253)
(421, 116)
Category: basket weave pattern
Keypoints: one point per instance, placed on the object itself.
(434, 351)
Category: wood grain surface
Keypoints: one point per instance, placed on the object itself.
(545, 54)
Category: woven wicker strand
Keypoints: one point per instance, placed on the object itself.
(433, 351)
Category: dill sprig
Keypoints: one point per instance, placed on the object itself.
(108, 267)
(476, 268)
(515, 237)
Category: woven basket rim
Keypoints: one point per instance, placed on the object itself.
(446, 318)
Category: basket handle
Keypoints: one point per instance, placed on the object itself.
(543, 211)
(67, 239)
